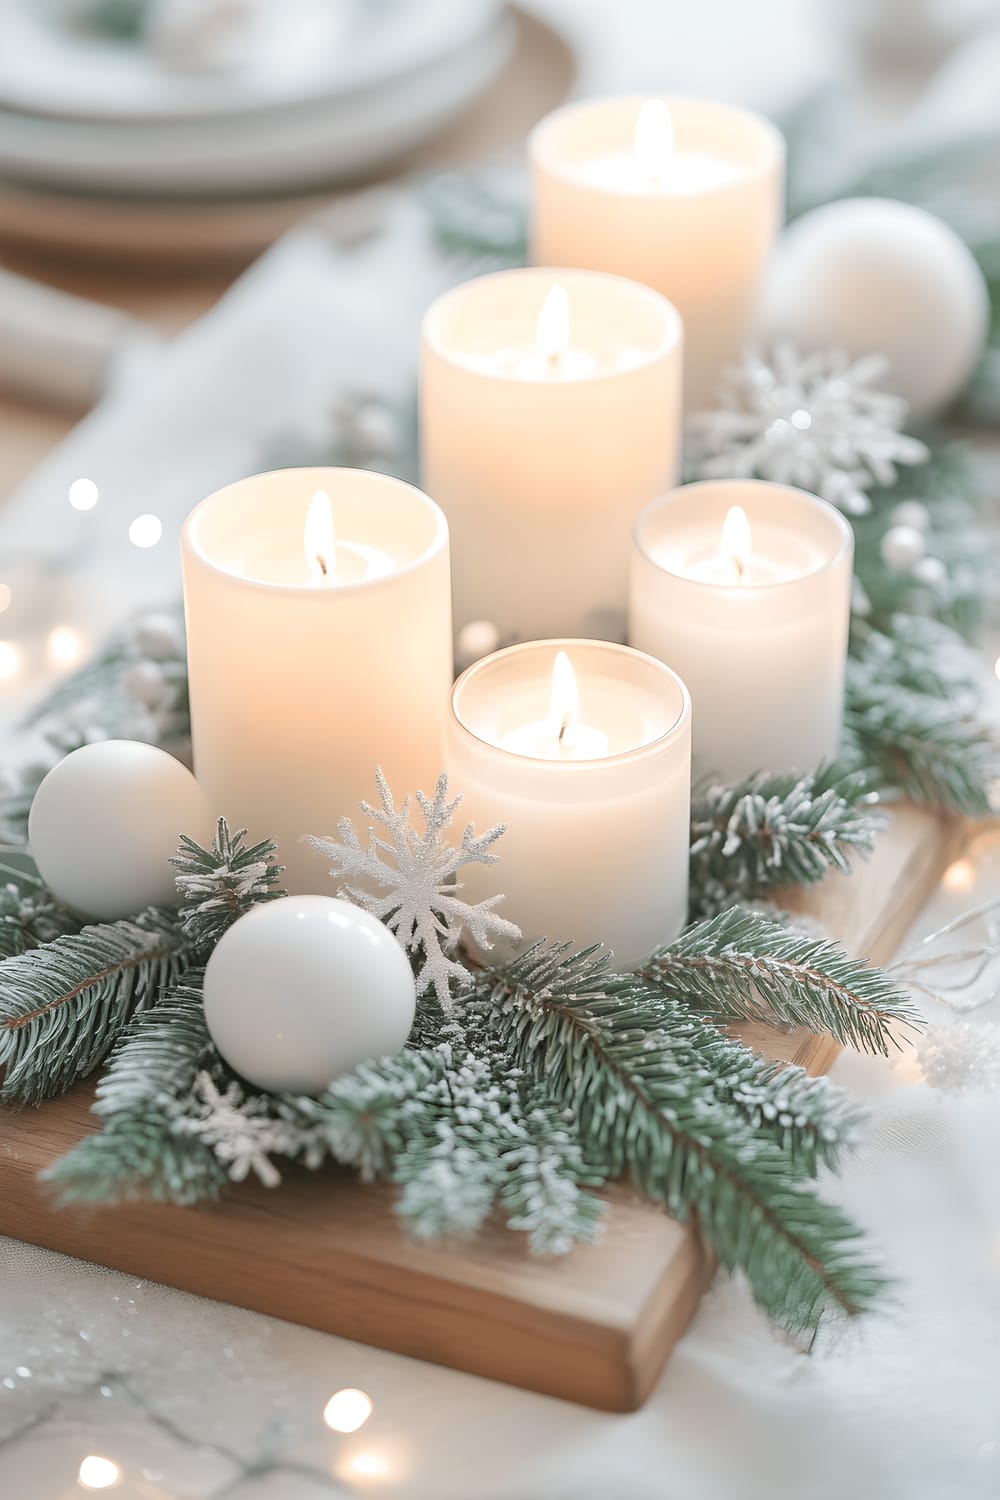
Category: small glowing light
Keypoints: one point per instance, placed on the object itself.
(64, 646)
(565, 702)
(96, 1473)
(367, 1465)
(736, 540)
(5, 597)
(552, 328)
(653, 142)
(801, 420)
(959, 876)
(320, 547)
(145, 531)
(83, 494)
(347, 1410)
(10, 659)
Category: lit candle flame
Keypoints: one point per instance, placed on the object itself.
(320, 549)
(552, 329)
(565, 701)
(653, 142)
(736, 540)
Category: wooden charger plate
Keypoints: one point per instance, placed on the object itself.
(595, 1327)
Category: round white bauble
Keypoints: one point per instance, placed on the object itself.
(873, 276)
(302, 989)
(902, 546)
(105, 823)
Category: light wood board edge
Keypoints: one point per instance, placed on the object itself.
(597, 1328)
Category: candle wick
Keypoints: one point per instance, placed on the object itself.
(321, 560)
(567, 720)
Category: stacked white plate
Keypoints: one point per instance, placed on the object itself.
(315, 94)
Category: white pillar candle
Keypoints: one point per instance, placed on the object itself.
(550, 414)
(744, 588)
(682, 194)
(319, 645)
(583, 750)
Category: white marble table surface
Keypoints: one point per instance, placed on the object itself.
(194, 1399)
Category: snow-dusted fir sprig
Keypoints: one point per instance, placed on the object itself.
(409, 880)
(777, 830)
(820, 421)
(219, 884)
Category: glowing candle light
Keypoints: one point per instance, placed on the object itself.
(550, 414)
(583, 749)
(97, 1473)
(347, 1410)
(682, 194)
(319, 646)
(653, 142)
(744, 589)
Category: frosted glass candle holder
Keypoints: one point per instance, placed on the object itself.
(693, 214)
(596, 847)
(299, 687)
(763, 657)
(542, 461)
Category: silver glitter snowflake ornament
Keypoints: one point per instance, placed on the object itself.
(409, 881)
(819, 421)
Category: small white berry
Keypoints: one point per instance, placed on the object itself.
(477, 639)
(144, 681)
(912, 513)
(930, 570)
(157, 636)
(377, 428)
(902, 546)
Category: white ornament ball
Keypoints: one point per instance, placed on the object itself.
(873, 276)
(105, 823)
(902, 546)
(302, 989)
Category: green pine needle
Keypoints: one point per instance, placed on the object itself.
(218, 885)
(739, 967)
(140, 1157)
(632, 1091)
(770, 831)
(64, 1005)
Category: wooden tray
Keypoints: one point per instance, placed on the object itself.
(595, 1327)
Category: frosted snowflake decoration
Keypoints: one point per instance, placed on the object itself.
(242, 1133)
(409, 881)
(818, 421)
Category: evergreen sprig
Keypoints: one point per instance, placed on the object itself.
(739, 967)
(904, 718)
(770, 831)
(219, 884)
(30, 916)
(64, 1005)
(625, 1063)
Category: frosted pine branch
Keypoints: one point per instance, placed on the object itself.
(219, 884)
(740, 967)
(771, 831)
(409, 880)
(64, 1005)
